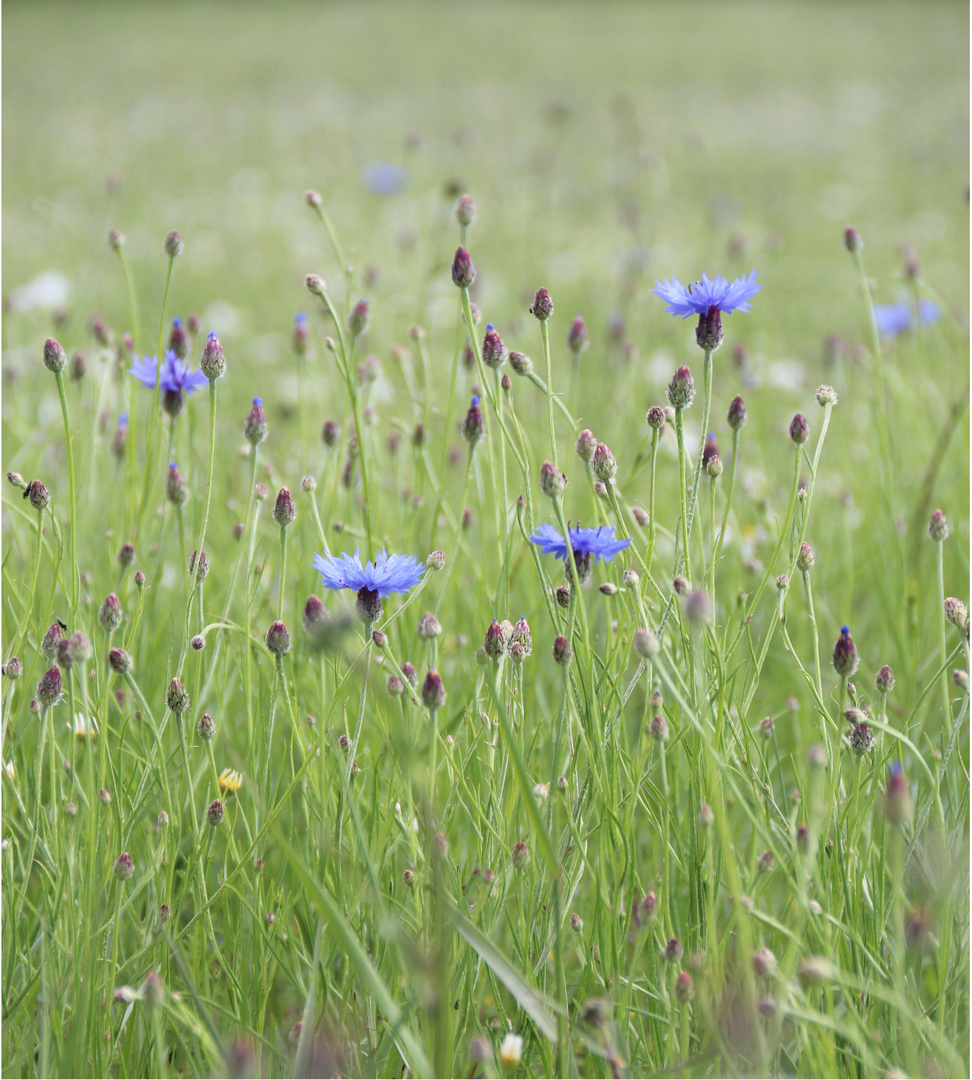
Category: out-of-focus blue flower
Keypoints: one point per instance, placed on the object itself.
(582, 542)
(386, 575)
(384, 178)
(699, 297)
(894, 319)
(175, 376)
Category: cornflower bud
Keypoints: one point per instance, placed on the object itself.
(198, 569)
(961, 679)
(643, 911)
(562, 596)
(521, 364)
(765, 862)
(358, 318)
(173, 245)
(13, 668)
(49, 690)
(408, 670)
(826, 395)
(845, 654)
(645, 643)
(681, 390)
(119, 661)
(494, 351)
(697, 608)
(259, 492)
(330, 433)
(852, 240)
(766, 727)
(805, 558)
(673, 950)
(177, 697)
(126, 555)
(799, 429)
(110, 615)
(284, 510)
(542, 307)
(100, 331)
(861, 736)
(255, 425)
(897, 797)
(463, 271)
(51, 640)
(212, 363)
(315, 285)
(680, 585)
(299, 334)
(521, 856)
(435, 560)
(79, 366)
(884, 681)
(205, 728)
(37, 495)
(178, 339)
(465, 211)
(79, 647)
(552, 481)
(278, 638)
(473, 425)
(433, 692)
(54, 357)
(124, 867)
(495, 640)
(521, 639)
(313, 198)
(586, 444)
(956, 612)
(116, 239)
(577, 336)
(408, 876)
(603, 464)
(429, 627)
(176, 488)
(562, 651)
(394, 685)
(764, 963)
(308, 484)
(684, 988)
(17, 480)
(215, 813)
(736, 416)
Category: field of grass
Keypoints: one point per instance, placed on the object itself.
(671, 819)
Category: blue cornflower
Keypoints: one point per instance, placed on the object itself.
(709, 298)
(583, 543)
(175, 380)
(894, 319)
(386, 575)
(384, 178)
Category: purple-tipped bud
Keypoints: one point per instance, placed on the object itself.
(110, 615)
(78, 367)
(13, 668)
(205, 728)
(713, 467)
(463, 271)
(126, 555)
(897, 797)
(330, 433)
(765, 863)
(278, 638)
(645, 643)
(315, 616)
(697, 608)
(494, 351)
(54, 357)
(656, 418)
(576, 923)
(643, 911)
(764, 962)
(562, 596)
(408, 670)
(680, 585)
(139, 580)
(176, 488)
(521, 639)
(956, 612)
(961, 679)
(710, 449)
(766, 727)
(435, 560)
(495, 641)
(394, 685)
(884, 681)
(178, 339)
(521, 856)
(429, 627)
(577, 336)
(736, 416)
(684, 988)
(163, 914)
(119, 661)
(845, 654)
(521, 364)
(38, 495)
(465, 211)
(255, 425)
(799, 429)
(673, 950)
(119, 440)
(358, 318)
(51, 641)
(603, 463)
(17, 480)
(473, 425)
(198, 568)
(681, 390)
(313, 198)
(861, 736)
(553, 482)
(433, 692)
(215, 813)
(852, 240)
(826, 395)
(63, 658)
(104, 797)
(542, 307)
(300, 334)
(212, 363)
(586, 444)
(284, 510)
(100, 331)
(116, 239)
(78, 647)
(938, 527)
(172, 245)
(805, 558)
(562, 651)
(315, 285)
(708, 333)
(49, 690)
(124, 867)
(177, 697)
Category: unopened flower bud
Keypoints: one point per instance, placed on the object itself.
(884, 681)
(255, 425)
(552, 481)
(215, 813)
(542, 307)
(315, 285)
(736, 416)
(278, 638)
(562, 651)
(119, 661)
(684, 988)
(562, 596)
(713, 466)
(463, 271)
(212, 363)
(205, 728)
(852, 240)
(110, 615)
(284, 510)
(124, 867)
(433, 692)
(577, 336)
(681, 390)
(805, 558)
(645, 643)
(521, 856)
(494, 351)
(198, 567)
(897, 797)
(176, 488)
(845, 654)
(126, 555)
(13, 668)
(330, 433)
(956, 612)
(826, 395)
(603, 464)
(116, 240)
(54, 357)
(299, 335)
(358, 318)
(429, 627)
(177, 697)
(521, 364)
(78, 366)
(37, 495)
(799, 429)
(435, 560)
(473, 424)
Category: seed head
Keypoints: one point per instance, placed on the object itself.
(521, 855)
(494, 351)
(110, 615)
(215, 813)
(278, 638)
(799, 429)
(433, 692)
(681, 390)
(577, 336)
(553, 482)
(177, 697)
(884, 681)
(562, 651)
(212, 363)
(542, 307)
(463, 271)
(255, 425)
(604, 466)
(284, 510)
(845, 654)
(176, 488)
(54, 357)
(124, 867)
(37, 495)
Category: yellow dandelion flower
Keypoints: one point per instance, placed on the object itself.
(230, 781)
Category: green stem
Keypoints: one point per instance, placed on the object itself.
(73, 492)
(545, 339)
(682, 497)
